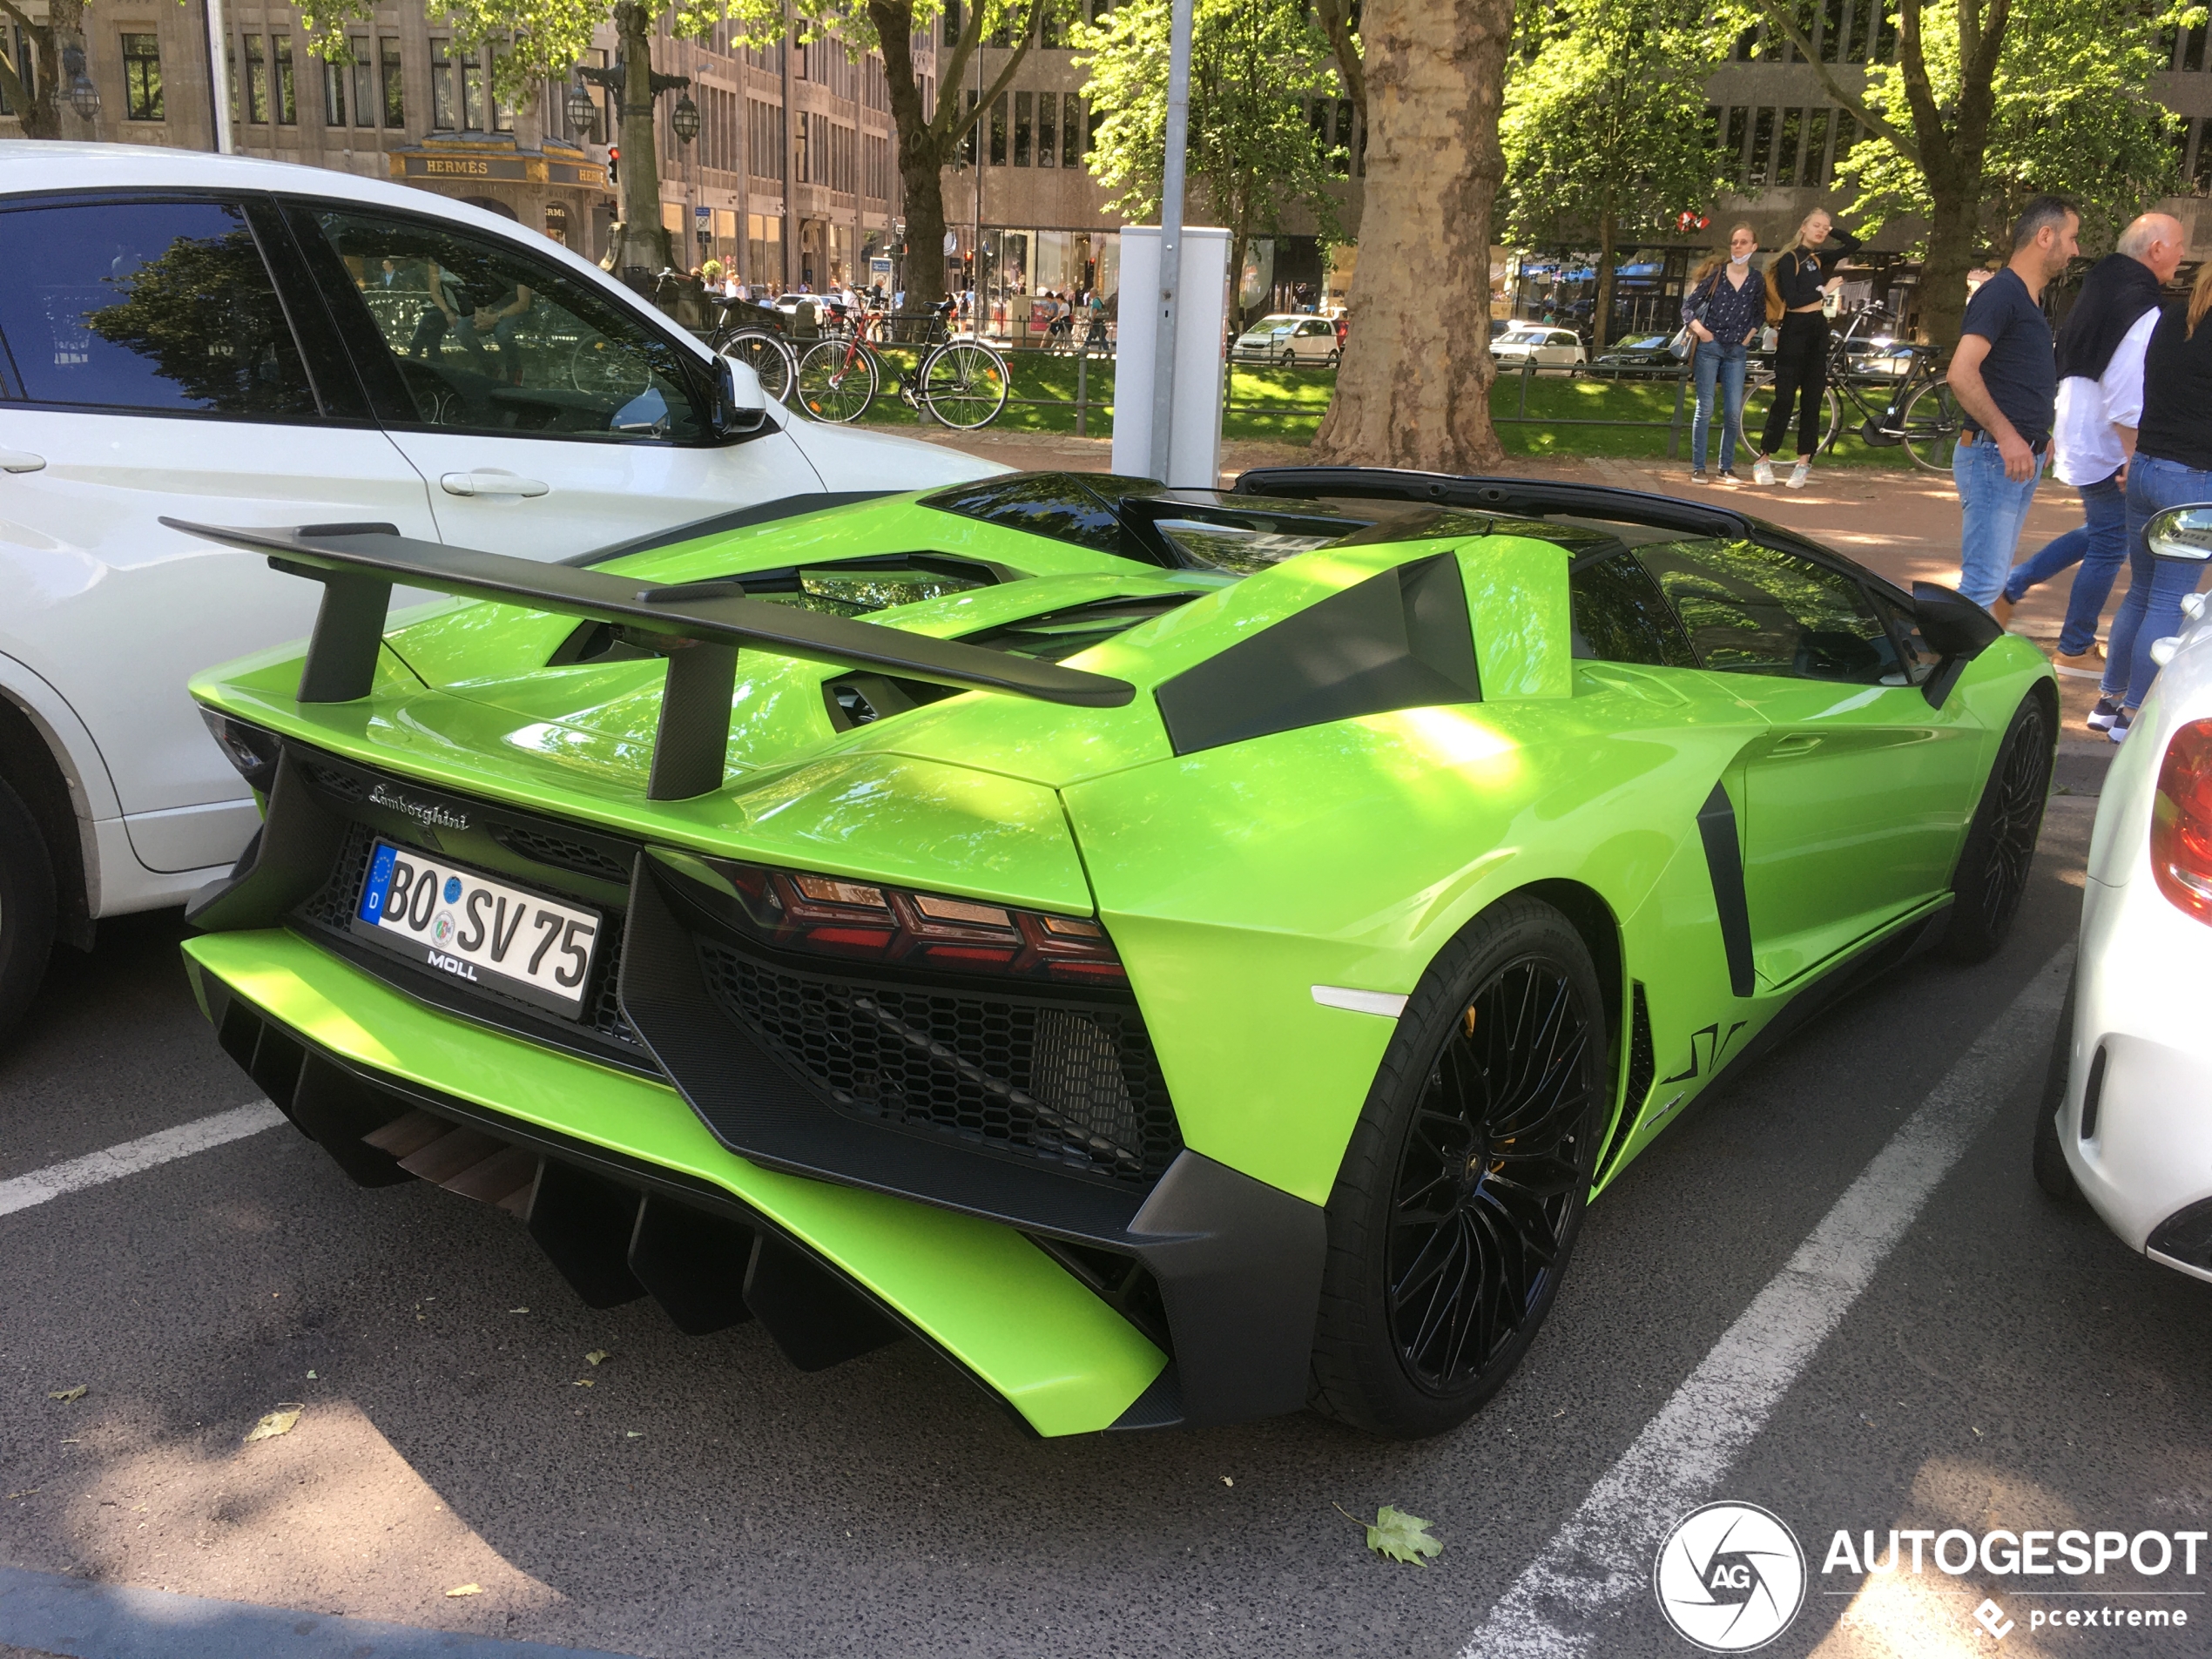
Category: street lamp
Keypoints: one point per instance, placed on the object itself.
(582, 110)
(83, 96)
(686, 118)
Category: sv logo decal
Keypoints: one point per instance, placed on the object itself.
(1715, 1046)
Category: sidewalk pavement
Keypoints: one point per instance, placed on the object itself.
(1902, 525)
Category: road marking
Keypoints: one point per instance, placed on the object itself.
(145, 1153)
(1601, 1558)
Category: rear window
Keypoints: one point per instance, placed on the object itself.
(1045, 503)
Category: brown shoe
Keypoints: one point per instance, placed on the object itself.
(2089, 665)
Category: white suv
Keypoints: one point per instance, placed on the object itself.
(240, 341)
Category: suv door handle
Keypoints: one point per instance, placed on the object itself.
(21, 461)
(489, 480)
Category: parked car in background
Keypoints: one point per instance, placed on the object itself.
(1546, 346)
(219, 337)
(1288, 338)
(2123, 1119)
(1638, 357)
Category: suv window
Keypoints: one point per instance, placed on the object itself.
(1755, 610)
(484, 337)
(144, 305)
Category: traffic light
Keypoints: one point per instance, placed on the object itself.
(614, 164)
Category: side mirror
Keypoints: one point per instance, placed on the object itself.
(1954, 625)
(741, 403)
(2180, 533)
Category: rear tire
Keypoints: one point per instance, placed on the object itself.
(26, 908)
(2052, 1173)
(1465, 1183)
(1991, 873)
(1931, 421)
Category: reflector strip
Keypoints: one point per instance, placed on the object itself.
(1389, 1004)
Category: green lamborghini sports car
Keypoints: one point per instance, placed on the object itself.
(1183, 956)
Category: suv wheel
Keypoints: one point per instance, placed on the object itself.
(26, 908)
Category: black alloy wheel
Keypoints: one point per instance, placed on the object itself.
(1466, 1179)
(1484, 1182)
(1999, 847)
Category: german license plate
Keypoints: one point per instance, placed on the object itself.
(480, 930)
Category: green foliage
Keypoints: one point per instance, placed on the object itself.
(2072, 115)
(1402, 1537)
(1604, 118)
(1250, 150)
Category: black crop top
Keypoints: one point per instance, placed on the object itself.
(1797, 277)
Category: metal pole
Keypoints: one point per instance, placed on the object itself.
(1172, 179)
(218, 77)
(975, 225)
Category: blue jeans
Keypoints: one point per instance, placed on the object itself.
(2155, 587)
(1717, 361)
(1992, 508)
(2100, 546)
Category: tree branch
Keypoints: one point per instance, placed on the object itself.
(1919, 92)
(1780, 16)
(1335, 16)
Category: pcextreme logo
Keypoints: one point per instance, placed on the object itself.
(1730, 1577)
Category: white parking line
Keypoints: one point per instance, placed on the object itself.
(145, 1153)
(1601, 1558)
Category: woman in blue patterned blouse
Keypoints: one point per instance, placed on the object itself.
(1723, 310)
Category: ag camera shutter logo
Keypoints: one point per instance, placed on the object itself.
(1730, 1577)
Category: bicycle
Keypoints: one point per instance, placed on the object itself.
(753, 335)
(1918, 410)
(960, 382)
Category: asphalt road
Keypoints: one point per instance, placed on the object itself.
(2008, 1365)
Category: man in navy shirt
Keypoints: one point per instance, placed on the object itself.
(2005, 375)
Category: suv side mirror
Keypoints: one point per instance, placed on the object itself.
(1953, 624)
(2180, 533)
(741, 403)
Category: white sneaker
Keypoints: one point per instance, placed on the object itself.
(1799, 473)
(1762, 471)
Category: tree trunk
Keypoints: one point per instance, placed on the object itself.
(63, 25)
(1608, 232)
(1414, 387)
(922, 165)
(644, 242)
(1951, 255)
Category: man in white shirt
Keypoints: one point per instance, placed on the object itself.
(2100, 349)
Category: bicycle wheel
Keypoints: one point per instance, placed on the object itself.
(836, 382)
(1931, 424)
(964, 385)
(1831, 426)
(766, 356)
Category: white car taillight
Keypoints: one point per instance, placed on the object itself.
(2180, 821)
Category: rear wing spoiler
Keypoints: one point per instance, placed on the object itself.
(698, 626)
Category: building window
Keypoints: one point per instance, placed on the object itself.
(257, 80)
(287, 102)
(442, 101)
(2193, 49)
(364, 79)
(1785, 149)
(969, 139)
(998, 131)
(394, 80)
(1846, 136)
(952, 22)
(557, 222)
(1832, 28)
(23, 61)
(1816, 147)
(1023, 120)
(801, 162)
(1762, 150)
(472, 92)
(1048, 130)
(141, 76)
(334, 94)
(502, 112)
(1071, 129)
(1739, 129)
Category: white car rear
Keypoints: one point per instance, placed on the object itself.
(240, 341)
(2129, 1117)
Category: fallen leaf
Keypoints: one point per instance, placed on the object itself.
(77, 1393)
(279, 1421)
(1226, 1482)
(1402, 1537)
(466, 1589)
(312, 1376)
(634, 1434)
(597, 1357)
(518, 1309)
(583, 1382)
(28, 1492)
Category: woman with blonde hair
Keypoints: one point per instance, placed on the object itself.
(1797, 282)
(1722, 310)
(2172, 467)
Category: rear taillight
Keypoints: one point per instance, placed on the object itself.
(2180, 821)
(835, 916)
